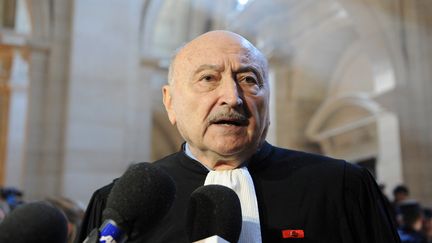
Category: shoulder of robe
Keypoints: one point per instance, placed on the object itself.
(296, 158)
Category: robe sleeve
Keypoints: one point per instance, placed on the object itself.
(93, 215)
(368, 216)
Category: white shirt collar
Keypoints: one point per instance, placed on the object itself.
(189, 153)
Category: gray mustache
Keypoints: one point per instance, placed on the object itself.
(232, 115)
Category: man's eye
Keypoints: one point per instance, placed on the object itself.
(208, 78)
(249, 80)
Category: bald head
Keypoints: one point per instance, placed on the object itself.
(217, 39)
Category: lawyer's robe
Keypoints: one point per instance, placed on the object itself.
(329, 200)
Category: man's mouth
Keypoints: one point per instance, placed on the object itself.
(231, 122)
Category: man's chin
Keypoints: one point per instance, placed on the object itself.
(233, 151)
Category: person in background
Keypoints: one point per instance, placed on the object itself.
(400, 194)
(12, 196)
(427, 224)
(411, 224)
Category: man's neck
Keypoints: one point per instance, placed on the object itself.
(212, 163)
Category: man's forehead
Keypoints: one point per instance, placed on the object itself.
(215, 49)
(218, 55)
(219, 48)
(224, 41)
(214, 38)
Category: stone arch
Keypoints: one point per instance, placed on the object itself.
(355, 127)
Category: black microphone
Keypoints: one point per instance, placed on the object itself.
(141, 197)
(34, 223)
(214, 212)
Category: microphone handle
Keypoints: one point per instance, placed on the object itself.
(109, 232)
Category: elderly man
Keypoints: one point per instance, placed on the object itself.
(218, 97)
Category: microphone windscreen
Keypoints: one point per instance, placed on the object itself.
(141, 196)
(33, 223)
(214, 210)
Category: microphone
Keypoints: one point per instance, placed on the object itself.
(138, 199)
(214, 215)
(33, 223)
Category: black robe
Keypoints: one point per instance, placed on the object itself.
(330, 200)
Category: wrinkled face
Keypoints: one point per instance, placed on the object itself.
(219, 96)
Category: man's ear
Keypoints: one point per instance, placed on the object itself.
(167, 100)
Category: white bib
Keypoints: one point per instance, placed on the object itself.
(241, 182)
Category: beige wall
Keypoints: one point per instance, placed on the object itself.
(413, 100)
(109, 97)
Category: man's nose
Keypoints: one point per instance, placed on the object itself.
(231, 93)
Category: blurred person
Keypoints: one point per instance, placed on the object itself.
(12, 196)
(218, 96)
(400, 193)
(410, 230)
(427, 224)
(74, 214)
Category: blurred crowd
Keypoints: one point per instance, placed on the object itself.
(414, 221)
(11, 198)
